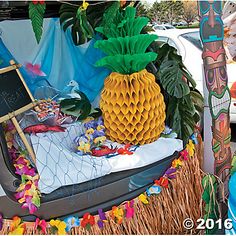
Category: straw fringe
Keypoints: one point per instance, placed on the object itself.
(165, 212)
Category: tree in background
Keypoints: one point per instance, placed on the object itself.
(166, 11)
(190, 11)
(142, 10)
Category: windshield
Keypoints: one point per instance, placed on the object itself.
(194, 38)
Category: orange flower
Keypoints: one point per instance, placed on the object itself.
(176, 163)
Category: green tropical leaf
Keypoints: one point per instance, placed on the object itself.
(180, 112)
(173, 79)
(75, 19)
(36, 13)
(95, 113)
(79, 108)
(197, 100)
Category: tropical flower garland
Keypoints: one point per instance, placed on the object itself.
(28, 193)
(118, 214)
(93, 137)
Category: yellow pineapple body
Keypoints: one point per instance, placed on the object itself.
(133, 108)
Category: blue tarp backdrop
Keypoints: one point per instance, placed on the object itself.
(61, 61)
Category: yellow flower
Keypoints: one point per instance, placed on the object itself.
(176, 163)
(84, 5)
(90, 131)
(60, 225)
(16, 227)
(84, 147)
(100, 127)
(99, 139)
(143, 198)
(190, 148)
(117, 214)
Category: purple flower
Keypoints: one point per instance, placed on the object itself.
(98, 133)
(91, 124)
(103, 218)
(1, 221)
(100, 121)
(170, 173)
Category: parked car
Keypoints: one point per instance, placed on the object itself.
(163, 27)
(189, 46)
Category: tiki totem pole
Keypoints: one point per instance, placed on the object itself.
(212, 33)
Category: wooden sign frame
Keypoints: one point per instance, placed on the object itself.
(11, 115)
(25, 108)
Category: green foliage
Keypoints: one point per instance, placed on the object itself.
(80, 108)
(36, 12)
(173, 78)
(184, 103)
(166, 11)
(125, 46)
(76, 19)
(181, 116)
(209, 185)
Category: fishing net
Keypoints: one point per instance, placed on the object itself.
(56, 159)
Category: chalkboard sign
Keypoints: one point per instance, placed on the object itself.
(15, 97)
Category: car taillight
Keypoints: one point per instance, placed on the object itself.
(233, 90)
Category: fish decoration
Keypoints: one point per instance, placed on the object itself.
(41, 128)
(103, 151)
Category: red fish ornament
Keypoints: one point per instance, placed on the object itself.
(125, 150)
(103, 151)
(41, 128)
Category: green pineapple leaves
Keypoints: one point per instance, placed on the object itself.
(128, 45)
(127, 64)
(36, 12)
(125, 47)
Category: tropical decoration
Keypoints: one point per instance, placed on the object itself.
(94, 136)
(80, 108)
(71, 222)
(27, 193)
(87, 221)
(137, 215)
(40, 225)
(216, 80)
(58, 227)
(82, 19)
(17, 227)
(36, 12)
(184, 103)
(131, 102)
(76, 18)
(211, 209)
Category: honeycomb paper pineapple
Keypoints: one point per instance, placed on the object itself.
(131, 102)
